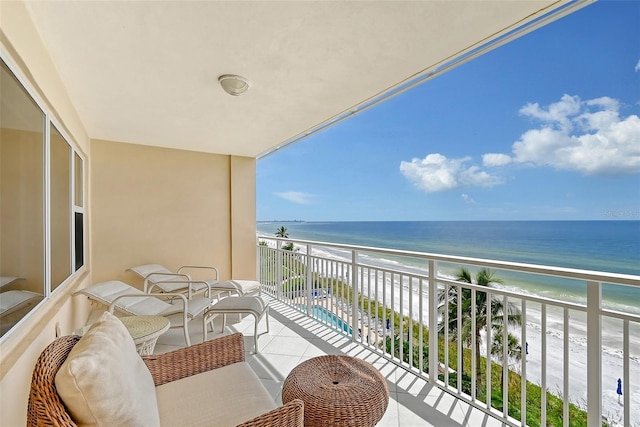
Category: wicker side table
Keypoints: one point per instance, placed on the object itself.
(338, 391)
(145, 331)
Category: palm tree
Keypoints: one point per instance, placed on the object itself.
(514, 350)
(494, 319)
(282, 232)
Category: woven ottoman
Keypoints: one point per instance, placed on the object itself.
(338, 391)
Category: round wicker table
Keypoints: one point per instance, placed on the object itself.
(145, 331)
(338, 391)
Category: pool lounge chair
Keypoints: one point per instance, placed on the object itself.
(159, 277)
(124, 298)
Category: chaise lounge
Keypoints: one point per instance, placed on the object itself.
(126, 299)
(160, 277)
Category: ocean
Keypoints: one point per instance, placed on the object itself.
(608, 246)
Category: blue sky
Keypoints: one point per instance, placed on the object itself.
(544, 128)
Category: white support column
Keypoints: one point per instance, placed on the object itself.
(433, 323)
(594, 355)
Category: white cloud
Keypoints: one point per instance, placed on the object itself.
(468, 199)
(296, 197)
(637, 68)
(495, 159)
(436, 173)
(557, 113)
(586, 136)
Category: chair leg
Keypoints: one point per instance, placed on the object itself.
(255, 332)
(186, 334)
(205, 326)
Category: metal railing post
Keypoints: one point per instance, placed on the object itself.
(309, 280)
(433, 323)
(279, 288)
(354, 296)
(258, 260)
(594, 355)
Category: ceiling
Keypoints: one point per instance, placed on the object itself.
(146, 72)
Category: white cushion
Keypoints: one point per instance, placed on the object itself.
(221, 397)
(243, 286)
(104, 382)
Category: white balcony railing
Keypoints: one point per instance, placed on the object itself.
(574, 349)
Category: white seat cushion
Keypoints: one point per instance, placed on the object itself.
(104, 381)
(243, 286)
(222, 397)
(245, 304)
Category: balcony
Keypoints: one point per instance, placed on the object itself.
(294, 337)
(330, 298)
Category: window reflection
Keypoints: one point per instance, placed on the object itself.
(60, 208)
(22, 276)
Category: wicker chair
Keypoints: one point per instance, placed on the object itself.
(45, 407)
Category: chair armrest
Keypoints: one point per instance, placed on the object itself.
(289, 415)
(187, 282)
(195, 359)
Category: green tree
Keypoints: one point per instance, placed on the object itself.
(484, 319)
(282, 232)
(514, 350)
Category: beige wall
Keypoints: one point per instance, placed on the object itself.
(160, 206)
(243, 217)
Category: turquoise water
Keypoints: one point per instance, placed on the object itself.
(325, 315)
(609, 246)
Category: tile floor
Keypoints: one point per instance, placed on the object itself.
(293, 338)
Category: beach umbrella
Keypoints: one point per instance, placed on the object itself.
(619, 390)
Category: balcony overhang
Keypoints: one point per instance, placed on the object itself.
(147, 72)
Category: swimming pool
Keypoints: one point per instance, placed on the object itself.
(325, 315)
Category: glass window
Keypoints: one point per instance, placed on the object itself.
(78, 175)
(22, 250)
(30, 223)
(60, 161)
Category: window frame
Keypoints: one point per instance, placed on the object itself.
(75, 153)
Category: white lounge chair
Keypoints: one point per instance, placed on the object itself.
(159, 279)
(157, 276)
(125, 298)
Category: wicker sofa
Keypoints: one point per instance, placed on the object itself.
(200, 367)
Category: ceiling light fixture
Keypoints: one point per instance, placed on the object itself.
(233, 84)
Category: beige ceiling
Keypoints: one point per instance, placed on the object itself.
(146, 72)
